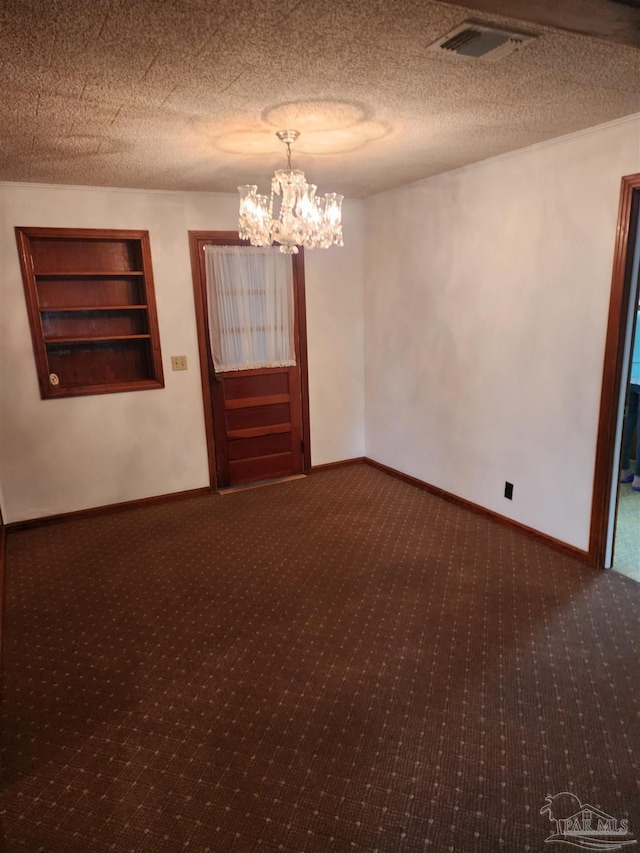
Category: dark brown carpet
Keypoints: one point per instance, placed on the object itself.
(337, 663)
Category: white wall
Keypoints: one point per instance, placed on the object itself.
(335, 339)
(486, 301)
(68, 454)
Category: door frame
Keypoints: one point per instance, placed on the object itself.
(197, 241)
(619, 304)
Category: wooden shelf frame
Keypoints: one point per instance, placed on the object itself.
(108, 358)
(93, 338)
(89, 274)
(88, 308)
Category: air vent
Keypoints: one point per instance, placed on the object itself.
(478, 40)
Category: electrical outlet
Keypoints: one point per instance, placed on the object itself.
(508, 491)
(178, 362)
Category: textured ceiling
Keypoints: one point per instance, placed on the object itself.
(187, 94)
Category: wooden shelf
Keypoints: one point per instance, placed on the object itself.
(89, 338)
(91, 309)
(88, 274)
(62, 310)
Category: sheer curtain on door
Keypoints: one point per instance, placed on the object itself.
(251, 310)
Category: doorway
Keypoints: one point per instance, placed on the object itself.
(620, 330)
(256, 419)
(625, 556)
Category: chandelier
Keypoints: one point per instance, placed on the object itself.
(303, 219)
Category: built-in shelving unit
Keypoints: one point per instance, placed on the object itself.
(92, 310)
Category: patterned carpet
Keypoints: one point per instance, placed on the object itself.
(337, 663)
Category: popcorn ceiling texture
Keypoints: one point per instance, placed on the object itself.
(187, 95)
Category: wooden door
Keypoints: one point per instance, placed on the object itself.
(257, 421)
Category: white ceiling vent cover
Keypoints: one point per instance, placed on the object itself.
(479, 40)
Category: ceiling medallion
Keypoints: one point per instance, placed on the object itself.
(303, 219)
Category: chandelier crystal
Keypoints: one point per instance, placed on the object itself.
(303, 219)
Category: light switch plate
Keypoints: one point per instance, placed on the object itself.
(178, 362)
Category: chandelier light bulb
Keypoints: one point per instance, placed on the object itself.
(303, 219)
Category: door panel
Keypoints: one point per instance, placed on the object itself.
(247, 448)
(261, 468)
(257, 421)
(265, 415)
(249, 385)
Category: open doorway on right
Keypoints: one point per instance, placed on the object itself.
(615, 519)
(626, 554)
(627, 544)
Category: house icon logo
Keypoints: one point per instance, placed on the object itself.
(585, 826)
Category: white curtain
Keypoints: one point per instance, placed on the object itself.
(250, 296)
